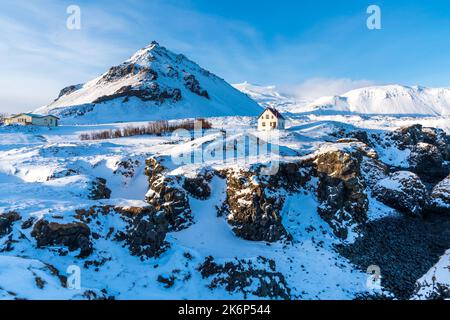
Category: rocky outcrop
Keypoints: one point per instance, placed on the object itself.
(69, 89)
(98, 190)
(429, 149)
(146, 231)
(440, 197)
(191, 82)
(341, 189)
(427, 161)
(166, 195)
(6, 222)
(198, 187)
(258, 278)
(72, 235)
(151, 92)
(404, 191)
(127, 167)
(254, 202)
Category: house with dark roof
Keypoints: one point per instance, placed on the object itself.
(271, 119)
(33, 119)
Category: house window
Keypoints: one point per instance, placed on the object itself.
(267, 116)
(263, 124)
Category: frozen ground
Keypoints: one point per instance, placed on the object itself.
(29, 156)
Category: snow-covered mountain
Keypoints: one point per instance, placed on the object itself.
(153, 84)
(390, 99)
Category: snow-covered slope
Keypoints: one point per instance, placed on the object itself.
(153, 84)
(391, 99)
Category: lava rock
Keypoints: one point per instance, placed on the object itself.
(440, 197)
(404, 191)
(146, 230)
(258, 278)
(427, 161)
(6, 222)
(98, 190)
(341, 189)
(166, 195)
(72, 235)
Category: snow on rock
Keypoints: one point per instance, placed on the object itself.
(402, 190)
(435, 284)
(341, 188)
(440, 197)
(153, 84)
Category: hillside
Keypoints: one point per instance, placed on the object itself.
(153, 84)
(388, 100)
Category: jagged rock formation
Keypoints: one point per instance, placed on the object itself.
(72, 235)
(98, 189)
(146, 230)
(254, 202)
(259, 278)
(342, 189)
(440, 197)
(429, 149)
(403, 191)
(198, 187)
(165, 194)
(6, 222)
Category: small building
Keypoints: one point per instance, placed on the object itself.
(271, 119)
(33, 119)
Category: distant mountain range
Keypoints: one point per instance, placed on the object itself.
(154, 83)
(383, 100)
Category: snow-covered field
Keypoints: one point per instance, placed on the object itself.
(46, 173)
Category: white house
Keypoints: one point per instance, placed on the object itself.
(271, 119)
(33, 119)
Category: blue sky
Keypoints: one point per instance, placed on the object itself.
(308, 48)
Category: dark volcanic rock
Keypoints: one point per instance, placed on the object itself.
(6, 222)
(99, 190)
(254, 203)
(427, 161)
(258, 278)
(69, 89)
(167, 195)
(72, 235)
(429, 149)
(191, 82)
(152, 92)
(146, 230)
(403, 191)
(341, 188)
(198, 187)
(440, 197)
(404, 248)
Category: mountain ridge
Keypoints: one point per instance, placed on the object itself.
(383, 100)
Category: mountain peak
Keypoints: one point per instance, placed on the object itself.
(153, 84)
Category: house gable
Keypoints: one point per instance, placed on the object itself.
(274, 112)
